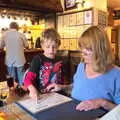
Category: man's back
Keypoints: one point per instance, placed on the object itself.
(15, 43)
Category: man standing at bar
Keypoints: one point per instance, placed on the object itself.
(15, 42)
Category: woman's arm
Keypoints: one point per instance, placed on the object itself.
(95, 104)
(108, 105)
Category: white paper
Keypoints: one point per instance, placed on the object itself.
(46, 101)
(112, 115)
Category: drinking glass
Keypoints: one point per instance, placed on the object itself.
(3, 95)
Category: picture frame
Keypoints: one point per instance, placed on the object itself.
(70, 4)
(88, 17)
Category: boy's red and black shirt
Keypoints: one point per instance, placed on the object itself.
(47, 71)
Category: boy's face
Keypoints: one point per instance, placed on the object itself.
(50, 48)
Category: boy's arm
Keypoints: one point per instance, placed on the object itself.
(33, 92)
(57, 87)
(32, 73)
(29, 79)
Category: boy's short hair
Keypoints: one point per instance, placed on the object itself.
(50, 34)
(14, 25)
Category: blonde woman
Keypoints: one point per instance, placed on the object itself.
(97, 80)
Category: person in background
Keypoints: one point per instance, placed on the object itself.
(37, 44)
(29, 36)
(15, 42)
(96, 82)
(2, 32)
(45, 69)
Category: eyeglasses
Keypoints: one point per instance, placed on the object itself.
(86, 52)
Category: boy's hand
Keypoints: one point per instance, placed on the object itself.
(33, 92)
(53, 87)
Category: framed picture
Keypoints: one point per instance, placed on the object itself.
(88, 18)
(70, 4)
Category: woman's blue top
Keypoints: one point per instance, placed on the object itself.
(106, 86)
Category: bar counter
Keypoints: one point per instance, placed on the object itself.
(29, 53)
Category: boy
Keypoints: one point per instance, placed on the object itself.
(45, 69)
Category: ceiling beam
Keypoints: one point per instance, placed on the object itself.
(45, 6)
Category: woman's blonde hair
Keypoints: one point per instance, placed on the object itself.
(96, 39)
(50, 34)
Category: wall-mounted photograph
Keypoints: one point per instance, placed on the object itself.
(88, 18)
(69, 4)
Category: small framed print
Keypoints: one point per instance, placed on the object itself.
(88, 17)
(70, 4)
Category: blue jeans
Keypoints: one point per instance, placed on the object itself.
(16, 73)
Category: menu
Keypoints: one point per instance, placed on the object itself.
(46, 101)
(114, 114)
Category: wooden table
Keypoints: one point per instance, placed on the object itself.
(60, 112)
(12, 111)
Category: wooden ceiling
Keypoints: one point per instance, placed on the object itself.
(45, 6)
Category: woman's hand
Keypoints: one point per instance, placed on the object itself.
(90, 104)
(53, 87)
(33, 92)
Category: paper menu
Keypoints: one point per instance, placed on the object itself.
(46, 101)
(114, 114)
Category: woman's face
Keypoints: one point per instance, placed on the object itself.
(87, 55)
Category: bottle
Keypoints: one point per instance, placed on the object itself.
(32, 44)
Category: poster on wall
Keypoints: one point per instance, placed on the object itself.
(80, 18)
(72, 19)
(102, 18)
(66, 21)
(88, 17)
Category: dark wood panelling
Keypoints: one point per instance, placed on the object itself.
(38, 5)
